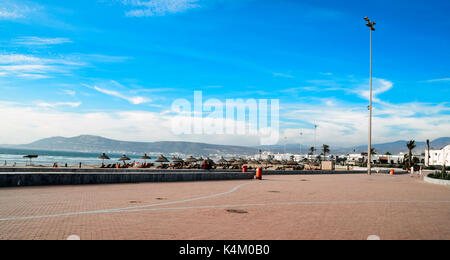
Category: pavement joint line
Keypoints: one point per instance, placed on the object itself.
(129, 208)
(229, 206)
(285, 204)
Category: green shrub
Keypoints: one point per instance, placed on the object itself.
(439, 175)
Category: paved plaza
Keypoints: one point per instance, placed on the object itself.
(279, 207)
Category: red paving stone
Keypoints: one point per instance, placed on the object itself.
(279, 207)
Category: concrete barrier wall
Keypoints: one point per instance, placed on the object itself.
(85, 170)
(48, 176)
(44, 179)
(436, 181)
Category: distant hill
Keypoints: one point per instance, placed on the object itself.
(97, 144)
(393, 147)
(400, 146)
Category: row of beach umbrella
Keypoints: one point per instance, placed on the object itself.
(221, 161)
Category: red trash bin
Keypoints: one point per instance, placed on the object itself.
(244, 169)
(258, 174)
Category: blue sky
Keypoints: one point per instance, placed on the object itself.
(113, 68)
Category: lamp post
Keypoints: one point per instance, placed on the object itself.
(315, 138)
(371, 26)
(301, 134)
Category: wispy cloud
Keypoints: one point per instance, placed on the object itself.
(146, 8)
(69, 92)
(38, 41)
(438, 80)
(379, 86)
(283, 75)
(13, 10)
(352, 86)
(136, 100)
(59, 104)
(32, 67)
(345, 124)
(102, 58)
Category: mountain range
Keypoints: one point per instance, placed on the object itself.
(97, 144)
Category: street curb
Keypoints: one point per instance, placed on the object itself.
(436, 181)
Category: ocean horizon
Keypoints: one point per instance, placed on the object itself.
(48, 158)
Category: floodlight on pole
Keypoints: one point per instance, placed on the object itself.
(301, 134)
(371, 26)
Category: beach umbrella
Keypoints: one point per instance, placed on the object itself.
(253, 161)
(103, 157)
(232, 160)
(191, 160)
(222, 161)
(209, 161)
(31, 156)
(267, 161)
(241, 161)
(124, 158)
(292, 162)
(145, 158)
(276, 162)
(161, 159)
(177, 160)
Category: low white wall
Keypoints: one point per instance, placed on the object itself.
(436, 181)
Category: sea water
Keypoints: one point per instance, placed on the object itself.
(48, 158)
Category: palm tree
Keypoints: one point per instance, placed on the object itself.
(325, 149)
(411, 145)
(312, 150)
(428, 148)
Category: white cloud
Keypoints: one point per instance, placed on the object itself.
(41, 122)
(339, 124)
(38, 68)
(33, 76)
(40, 41)
(283, 75)
(59, 104)
(14, 10)
(32, 67)
(145, 8)
(137, 100)
(70, 92)
(438, 80)
(353, 86)
(346, 125)
(378, 86)
(10, 14)
(18, 58)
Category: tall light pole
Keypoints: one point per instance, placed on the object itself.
(301, 134)
(315, 138)
(371, 26)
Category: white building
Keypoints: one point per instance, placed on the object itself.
(438, 157)
(376, 158)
